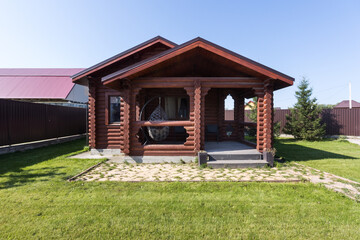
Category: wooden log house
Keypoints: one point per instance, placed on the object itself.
(190, 82)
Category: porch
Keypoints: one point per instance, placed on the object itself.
(189, 83)
(232, 154)
(183, 132)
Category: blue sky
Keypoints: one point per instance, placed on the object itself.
(316, 39)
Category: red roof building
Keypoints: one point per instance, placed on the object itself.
(345, 104)
(41, 85)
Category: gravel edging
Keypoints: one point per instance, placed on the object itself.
(204, 181)
(335, 176)
(329, 185)
(85, 171)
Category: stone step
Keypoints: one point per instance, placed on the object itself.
(224, 156)
(237, 163)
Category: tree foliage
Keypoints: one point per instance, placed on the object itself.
(252, 115)
(304, 121)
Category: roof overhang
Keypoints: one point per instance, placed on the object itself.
(137, 68)
(86, 72)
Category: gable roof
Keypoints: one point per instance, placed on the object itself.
(202, 43)
(109, 61)
(36, 83)
(345, 104)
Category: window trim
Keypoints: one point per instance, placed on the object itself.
(107, 112)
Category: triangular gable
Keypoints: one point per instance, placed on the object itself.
(123, 55)
(202, 43)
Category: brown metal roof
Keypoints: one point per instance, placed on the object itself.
(120, 55)
(251, 63)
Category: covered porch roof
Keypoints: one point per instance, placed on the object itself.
(198, 58)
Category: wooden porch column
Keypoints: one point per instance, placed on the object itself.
(221, 116)
(126, 131)
(197, 115)
(260, 122)
(265, 117)
(204, 92)
(134, 116)
(268, 114)
(91, 113)
(239, 115)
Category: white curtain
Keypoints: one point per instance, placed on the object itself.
(170, 107)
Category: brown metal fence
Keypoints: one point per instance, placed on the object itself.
(339, 121)
(25, 122)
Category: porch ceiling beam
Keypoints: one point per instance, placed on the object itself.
(201, 79)
(205, 84)
(232, 84)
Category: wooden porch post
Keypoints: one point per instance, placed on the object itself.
(134, 116)
(260, 122)
(126, 131)
(92, 115)
(265, 117)
(268, 115)
(221, 116)
(239, 116)
(197, 116)
(204, 92)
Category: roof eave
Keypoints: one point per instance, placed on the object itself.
(198, 42)
(122, 55)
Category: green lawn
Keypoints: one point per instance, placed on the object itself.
(37, 202)
(335, 156)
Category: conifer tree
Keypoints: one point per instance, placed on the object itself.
(304, 121)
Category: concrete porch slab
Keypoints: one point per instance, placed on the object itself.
(229, 147)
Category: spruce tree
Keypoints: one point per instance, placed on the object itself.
(304, 121)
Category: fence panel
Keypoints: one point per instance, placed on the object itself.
(339, 121)
(25, 122)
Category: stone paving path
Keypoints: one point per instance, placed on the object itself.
(126, 172)
(354, 140)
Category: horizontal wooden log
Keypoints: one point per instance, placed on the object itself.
(230, 85)
(192, 79)
(162, 85)
(162, 123)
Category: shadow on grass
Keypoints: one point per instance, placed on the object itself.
(12, 172)
(16, 179)
(294, 152)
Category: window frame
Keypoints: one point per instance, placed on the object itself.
(107, 110)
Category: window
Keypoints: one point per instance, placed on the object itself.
(114, 109)
(229, 108)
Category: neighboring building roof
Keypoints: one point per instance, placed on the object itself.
(39, 71)
(345, 104)
(123, 54)
(249, 105)
(197, 42)
(38, 83)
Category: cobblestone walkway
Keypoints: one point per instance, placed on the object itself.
(111, 171)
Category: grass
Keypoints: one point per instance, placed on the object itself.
(338, 157)
(38, 203)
